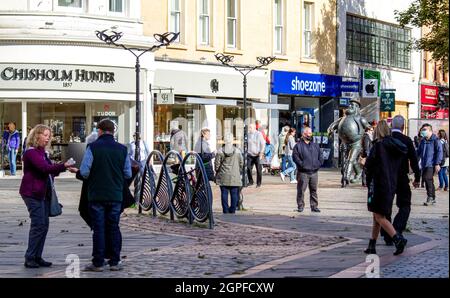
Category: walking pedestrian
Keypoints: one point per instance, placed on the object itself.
(308, 158)
(36, 191)
(289, 149)
(203, 148)
(430, 154)
(366, 145)
(282, 147)
(228, 164)
(403, 192)
(106, 165)
(256, 146)
(11, 143)
(443, 179)
(382, 166)
(143, 152)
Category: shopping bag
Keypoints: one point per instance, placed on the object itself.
(55, 206)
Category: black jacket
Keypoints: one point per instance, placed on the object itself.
(411, 157)
(307, 157)
(382, 167)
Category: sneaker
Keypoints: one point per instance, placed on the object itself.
(117, 267)
(445, 188)
(315, 210)
(433, 201)
(92, 268)
(258, 185)
(293, 182)
(439, 189)
(282, 176)
(299, 209)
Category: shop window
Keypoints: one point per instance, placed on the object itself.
(187, 117)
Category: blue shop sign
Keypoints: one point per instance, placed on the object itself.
(350, 87)
(299, 83)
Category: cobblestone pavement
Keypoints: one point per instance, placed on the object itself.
(268, 239)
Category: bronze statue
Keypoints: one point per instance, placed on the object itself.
(350, 129)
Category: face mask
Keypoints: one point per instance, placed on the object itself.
(424, 133)
(308, 138)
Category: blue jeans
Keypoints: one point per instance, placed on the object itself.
(38, 210)
(105, 218)
(283, 162)
(234, 191)
(443, 179)
(12, 160)
(290, 170)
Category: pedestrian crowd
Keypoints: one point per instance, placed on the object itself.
(108, 169)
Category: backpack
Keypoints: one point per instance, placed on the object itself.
(445, 149)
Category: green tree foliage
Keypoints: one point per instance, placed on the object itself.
(434, 15)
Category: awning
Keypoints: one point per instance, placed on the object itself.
(211, 101)
(270, 106)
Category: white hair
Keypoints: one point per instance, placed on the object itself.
(398, 122)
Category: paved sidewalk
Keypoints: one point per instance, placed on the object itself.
(269, 239)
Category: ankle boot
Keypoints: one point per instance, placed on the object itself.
(400, 243)
(371, 248)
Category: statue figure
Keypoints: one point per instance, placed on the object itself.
(350, 129)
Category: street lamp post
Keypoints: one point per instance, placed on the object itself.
(163, 40)
(244, 70)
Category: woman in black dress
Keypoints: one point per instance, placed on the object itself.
(382, 166)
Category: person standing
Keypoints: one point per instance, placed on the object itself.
(308, 158)
(11, 141)
(366, 145)
(203, 148)
(289, 149)
(178, 140)
(443, 179)
(282, 147)
(228, 165)
(106, 165)
(36, 192)
(382, 166)
(403, 192)
(256, 146)
(430, 154)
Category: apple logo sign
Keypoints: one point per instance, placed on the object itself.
(370, 88)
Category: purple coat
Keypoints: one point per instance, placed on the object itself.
(36, 168)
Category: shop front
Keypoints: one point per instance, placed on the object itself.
(434, 103)
(70, 98)
(204, 96)
(313, 101)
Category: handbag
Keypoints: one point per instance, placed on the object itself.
(55, 206)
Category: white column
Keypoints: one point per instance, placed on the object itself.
(24, 119)
(274, 121)
(210, 122)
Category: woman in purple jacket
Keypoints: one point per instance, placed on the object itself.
(36, 192)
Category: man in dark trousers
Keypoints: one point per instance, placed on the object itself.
(106, 165)
(308, 158)
(403, 193)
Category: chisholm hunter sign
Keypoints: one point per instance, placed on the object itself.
(77, 75)
(78, 78)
